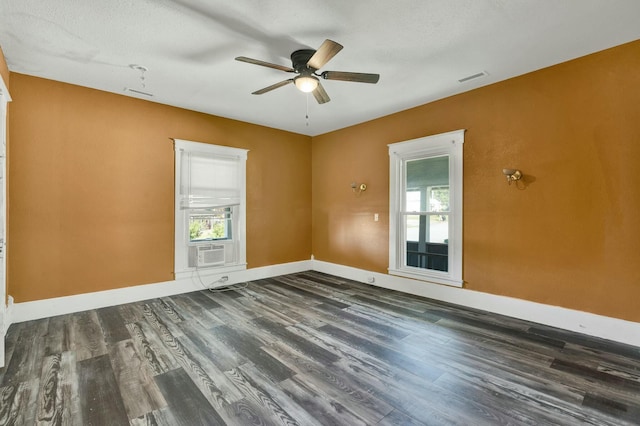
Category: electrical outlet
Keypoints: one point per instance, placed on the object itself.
(375, 217)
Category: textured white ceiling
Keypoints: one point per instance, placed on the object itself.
(420, 48)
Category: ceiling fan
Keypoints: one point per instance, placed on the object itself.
(306, 63)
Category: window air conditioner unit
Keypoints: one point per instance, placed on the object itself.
(210, 255)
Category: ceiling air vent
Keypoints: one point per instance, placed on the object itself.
(138, 92)
(473, 77)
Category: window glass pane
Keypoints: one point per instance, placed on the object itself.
(209, 224)
(427, 172)
(438, 229)
(412, 227)
(427, 242)
(413, 201)
(438, 198)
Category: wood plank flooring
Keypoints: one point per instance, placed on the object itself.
(310, 349)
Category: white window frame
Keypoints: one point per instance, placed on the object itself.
(449, 144)
(181, 263)
(5, 319)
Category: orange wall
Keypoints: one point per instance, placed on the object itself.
(570, 236)
(91, 189)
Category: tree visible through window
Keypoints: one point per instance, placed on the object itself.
(208, 225)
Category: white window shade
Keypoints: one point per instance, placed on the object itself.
(208, 180)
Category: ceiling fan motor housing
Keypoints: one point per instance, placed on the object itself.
(299, 60)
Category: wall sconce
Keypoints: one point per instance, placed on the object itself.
(358, 188)
(512, 175)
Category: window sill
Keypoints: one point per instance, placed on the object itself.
(209, 271)
(431, 278)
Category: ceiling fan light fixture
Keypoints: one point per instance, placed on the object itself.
(306, 83)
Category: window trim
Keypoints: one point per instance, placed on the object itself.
(450, 144)
(182, 243)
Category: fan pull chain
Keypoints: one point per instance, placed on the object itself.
(307, 115)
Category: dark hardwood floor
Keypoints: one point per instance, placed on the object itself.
(310, 349)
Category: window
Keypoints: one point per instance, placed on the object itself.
(210, 207)
(425, 234)
(210, 224)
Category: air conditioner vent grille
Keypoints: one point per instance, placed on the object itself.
(207, 255)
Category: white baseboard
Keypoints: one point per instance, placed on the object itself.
(37, 309)
(568, 319)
